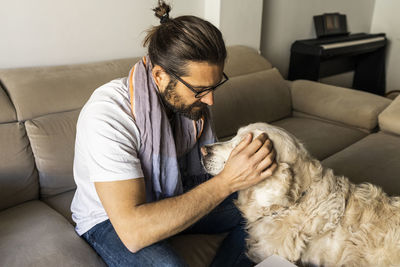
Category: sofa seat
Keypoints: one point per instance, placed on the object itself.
(321, 138)
(197, 250)
(374, 159)
(62, 204)
(33, 234)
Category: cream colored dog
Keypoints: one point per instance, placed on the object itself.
(303, 212)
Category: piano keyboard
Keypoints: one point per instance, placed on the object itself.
(351, 43)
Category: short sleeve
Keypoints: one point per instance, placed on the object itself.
(109, 140)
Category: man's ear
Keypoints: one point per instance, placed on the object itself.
(161, 78)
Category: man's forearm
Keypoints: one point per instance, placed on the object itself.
(156, 221)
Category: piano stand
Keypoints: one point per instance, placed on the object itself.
(364, 53)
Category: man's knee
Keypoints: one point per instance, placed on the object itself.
(159, 254)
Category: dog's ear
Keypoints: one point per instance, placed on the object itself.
(306, 169)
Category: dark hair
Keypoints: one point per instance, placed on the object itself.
(186, 38)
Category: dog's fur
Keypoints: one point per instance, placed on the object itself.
(305, 213)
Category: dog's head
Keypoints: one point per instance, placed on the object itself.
(287, 147)
(296, 168)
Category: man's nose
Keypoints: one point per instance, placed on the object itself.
(208, 99)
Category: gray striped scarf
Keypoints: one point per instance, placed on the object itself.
(170, 157)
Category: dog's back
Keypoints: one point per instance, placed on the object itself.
(367, 235)
(339, 224)
(304, 212)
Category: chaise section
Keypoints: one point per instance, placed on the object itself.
(376, 158)
(389, 119)
(350, 107)
(264, 96)
(33, 234)
(321, 138)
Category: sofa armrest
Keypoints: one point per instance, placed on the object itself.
(389, 119)
(348, 106)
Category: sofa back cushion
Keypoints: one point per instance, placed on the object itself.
(18, 176)
(49, 99)
(7, 111)
(244, 60)
(254, 97)
(52, 138)
(39, 91)
(389, 119)
(361, 109)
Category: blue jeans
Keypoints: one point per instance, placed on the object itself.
(224, 218)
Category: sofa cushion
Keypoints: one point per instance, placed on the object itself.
(357, 108)
(33, 234)
(197, 250)
(18, 176)
(52, 138)
(260, 96)
(244, 60)
(389, 119)
(374, 159)
(7, 113)
(62, 204)
(43, 90)
(321, 138)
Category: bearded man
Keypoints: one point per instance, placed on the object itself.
(137, 154)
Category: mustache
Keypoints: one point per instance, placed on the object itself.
(199, 104)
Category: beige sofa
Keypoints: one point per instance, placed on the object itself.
(38, 112)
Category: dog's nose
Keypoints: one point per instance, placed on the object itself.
(203, 151)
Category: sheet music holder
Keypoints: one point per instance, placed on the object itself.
(330, 24)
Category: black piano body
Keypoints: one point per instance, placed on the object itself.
(364, 53)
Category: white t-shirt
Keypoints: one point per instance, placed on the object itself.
(106, 147)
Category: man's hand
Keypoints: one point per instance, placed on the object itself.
(249, 163)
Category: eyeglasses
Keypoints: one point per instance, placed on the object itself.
(203, 92)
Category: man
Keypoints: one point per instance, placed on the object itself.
(137, 154)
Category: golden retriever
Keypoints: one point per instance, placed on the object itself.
(306, 214)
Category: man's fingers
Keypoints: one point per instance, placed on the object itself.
(267, 161)
(263, 152)
(244, 143)
(255, 145)
(268, 172)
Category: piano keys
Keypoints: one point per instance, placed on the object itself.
(364, 53)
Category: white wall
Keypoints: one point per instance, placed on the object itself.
(387, 19)
(285, 21)
(49, 32)
(212, 11)
(241, 21)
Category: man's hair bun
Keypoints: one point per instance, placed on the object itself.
(177, 41)
(162, 11)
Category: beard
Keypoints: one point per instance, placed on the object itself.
(174, 102)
